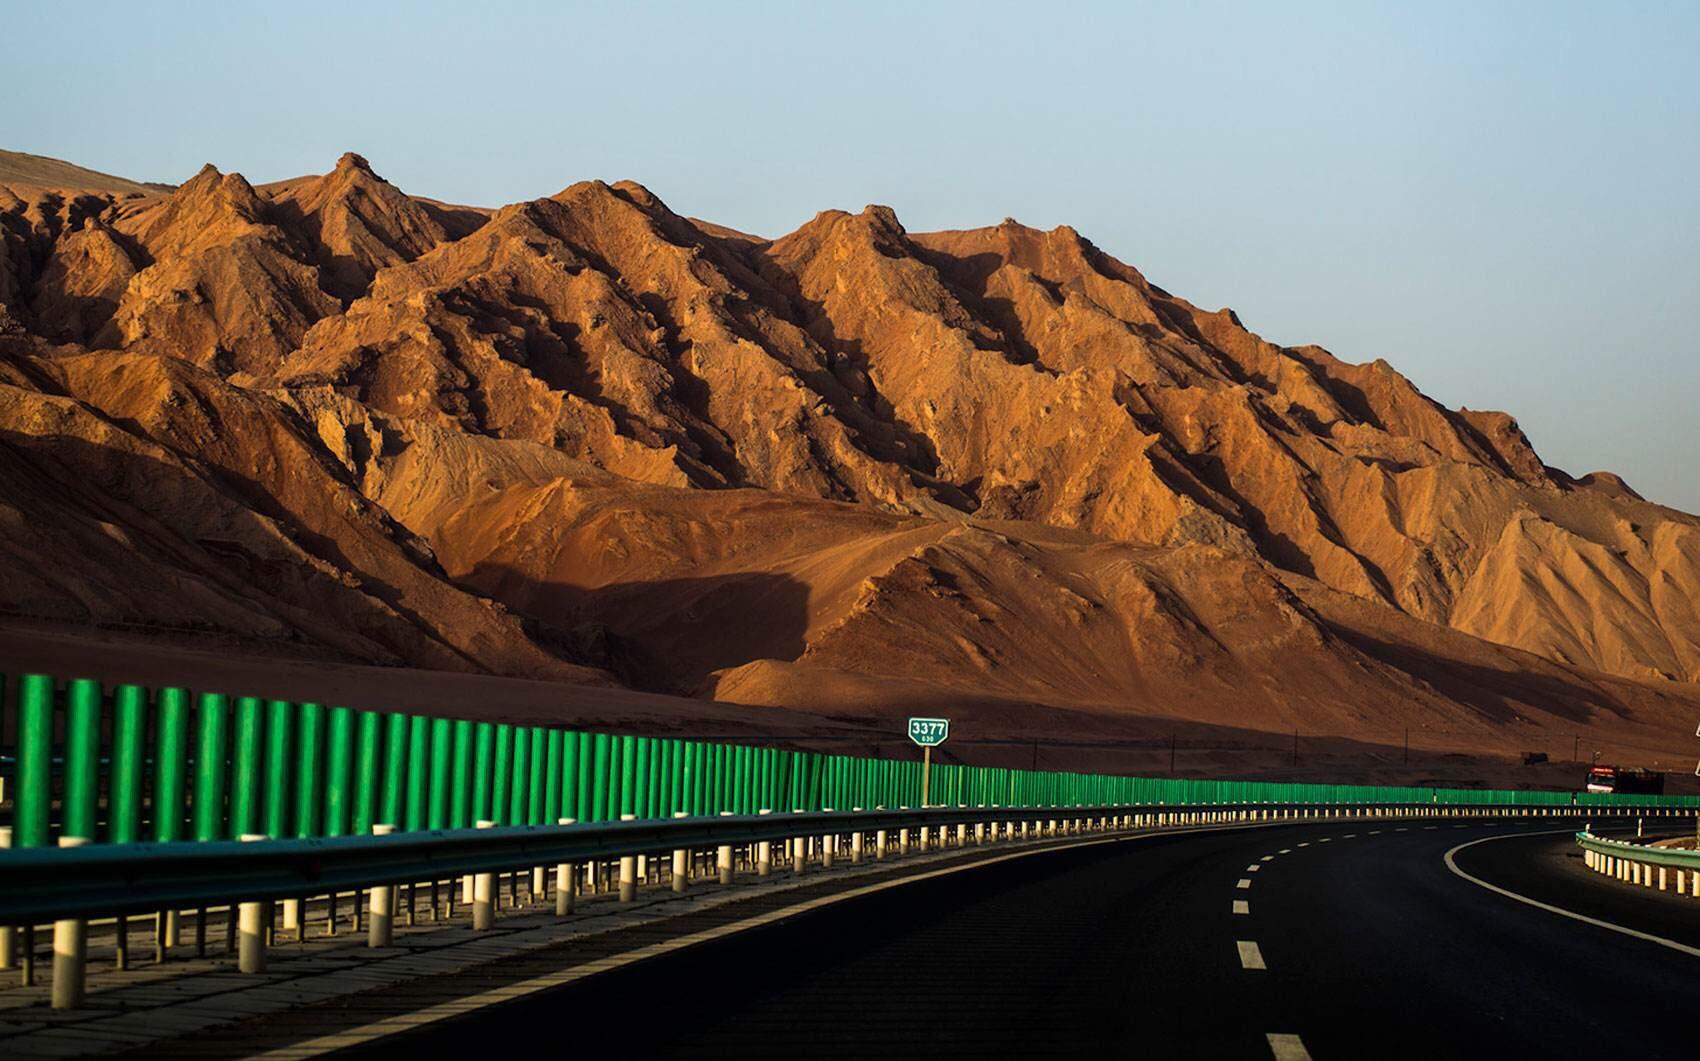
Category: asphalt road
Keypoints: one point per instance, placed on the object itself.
(1371, 947)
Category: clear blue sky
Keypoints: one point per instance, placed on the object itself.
(1503, 200)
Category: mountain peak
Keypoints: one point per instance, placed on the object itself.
(352, 161)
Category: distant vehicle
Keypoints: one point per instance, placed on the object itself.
(1626, 780)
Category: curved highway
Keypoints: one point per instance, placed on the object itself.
(1324, 941)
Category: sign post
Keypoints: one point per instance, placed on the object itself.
(928, 733)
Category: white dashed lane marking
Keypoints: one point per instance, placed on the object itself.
(1241, 906)
(1286, 851)
(1350, 836)
(1266, 858)
(1305, 844)
(1325, 839)
(1250, 956)
(1254, 867)
(1244, 882)
(1287, 1047)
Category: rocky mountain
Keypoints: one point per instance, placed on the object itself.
(586, 436)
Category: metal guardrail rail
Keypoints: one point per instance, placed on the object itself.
(98, 880)
(1642, 864)
(75, 884)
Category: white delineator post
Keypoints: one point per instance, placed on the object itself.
(252, 918)
(681, 862)
(484, 893)
(70, 951)
(723, 856)
(381, 903)
(565, 884)
(8, 934)
(764, 852)
(628, 870)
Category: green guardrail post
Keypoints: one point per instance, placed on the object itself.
(418, 772)
(483, 751)
(640, 776)
(339, 770)
(534, 783)
(280, 734)
(368, 765)
(34, 801)
(519, 786)
(309, 769)
(245, 757)
(129, 753)
(599, 777)
(395, 768)
(501, 775)
(460, 781)
(552, 778)
(628, 775)
(574, 783)
(82, 758)
(170, 763)
(211, 748)
(442, 758)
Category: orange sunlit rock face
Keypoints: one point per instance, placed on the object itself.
(584, 437)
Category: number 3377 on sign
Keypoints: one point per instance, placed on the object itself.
(929, 732)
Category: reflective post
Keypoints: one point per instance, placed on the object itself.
(628, 869)
(251, 925)
(380, 922)
(565, 884)
(8, 934)
(484, 892)
(764, 853)
(723, 856)
(70, 951)
(681, 864)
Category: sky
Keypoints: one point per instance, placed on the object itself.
(1501, 200)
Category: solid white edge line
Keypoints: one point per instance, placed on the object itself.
(1452, 865)
(1287, 1047)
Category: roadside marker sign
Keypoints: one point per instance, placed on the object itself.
(929, 732)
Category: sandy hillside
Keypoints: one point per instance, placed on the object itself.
(845, 472)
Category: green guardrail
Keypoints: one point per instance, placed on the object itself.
(131, 763)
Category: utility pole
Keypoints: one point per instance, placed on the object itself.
(1576, 750)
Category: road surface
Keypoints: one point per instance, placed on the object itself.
(1327, 941)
